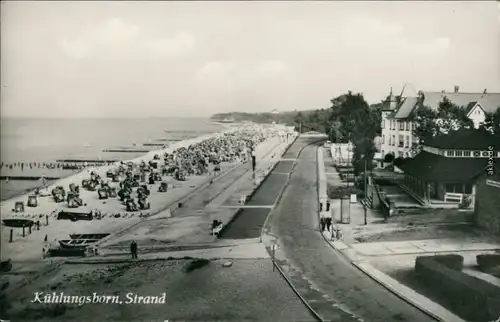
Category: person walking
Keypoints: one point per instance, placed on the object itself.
(322, 224)
(133, 249)
(328, 221)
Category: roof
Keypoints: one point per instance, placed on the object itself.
(489, 102)
(432, 167)
(405, 108)
(465, 139)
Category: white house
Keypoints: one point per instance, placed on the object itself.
(397, 137)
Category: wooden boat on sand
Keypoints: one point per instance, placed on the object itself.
(74, 216)
(88, 236)
(77, 243)
(18, 223)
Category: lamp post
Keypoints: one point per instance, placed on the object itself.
(366, 183)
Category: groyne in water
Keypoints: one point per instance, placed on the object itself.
(86, 160)
(28, 178)
(127, 150)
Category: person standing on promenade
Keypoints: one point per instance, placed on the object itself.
(328, 221)
(133, 249)
(322, 224)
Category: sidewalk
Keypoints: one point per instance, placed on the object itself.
(254, 250)
(345, 248)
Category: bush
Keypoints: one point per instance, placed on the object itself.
(389, 157)
(452, 261)
(398, 161)
(486, 261)
(470, 295)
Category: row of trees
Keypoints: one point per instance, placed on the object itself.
(349, 119)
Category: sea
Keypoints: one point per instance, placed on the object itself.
(47, 140)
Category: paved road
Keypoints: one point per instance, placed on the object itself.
(335, 288)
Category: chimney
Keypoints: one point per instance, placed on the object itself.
(456, 89)
(485, 91)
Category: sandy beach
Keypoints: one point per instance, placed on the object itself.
(30, 246)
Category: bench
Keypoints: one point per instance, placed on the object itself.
(217, 230)
(454, 197)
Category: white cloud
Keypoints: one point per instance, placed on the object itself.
(115, 37)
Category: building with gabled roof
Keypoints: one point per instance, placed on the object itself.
(461, 168)
(397, 127)
(447, 167)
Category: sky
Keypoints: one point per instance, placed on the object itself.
(161, 59)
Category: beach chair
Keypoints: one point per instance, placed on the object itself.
(72, 202)
(163, 187)
(103, 193)
(19, 206)
(143, 203)
(32, 201)
(131, 206)
(112, 192)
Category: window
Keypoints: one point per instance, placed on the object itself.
(407, 142)
(401, 154)
(477, 153)
(450, 154)
(458, 153)
(394, 140)
(401, 140)
(401, 125)
(408, 125)
(468, 189)
(486, 153)
(383, 138)
(466, 153)
(390, 141)
(414, 126)
(383, 124)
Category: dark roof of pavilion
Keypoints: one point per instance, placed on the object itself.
(465, 139)
(432, 167)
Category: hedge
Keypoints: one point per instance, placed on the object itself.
(442, 274)
(452, 261)
(485, 261)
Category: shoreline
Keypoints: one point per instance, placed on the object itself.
(53, 182)
(59, 229)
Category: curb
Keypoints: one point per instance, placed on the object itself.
(393, 291)
(265, 230)
(313, 312)
(156, 259)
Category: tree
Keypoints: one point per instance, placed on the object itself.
(431, 123)
(492, 122)
(353, 120)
